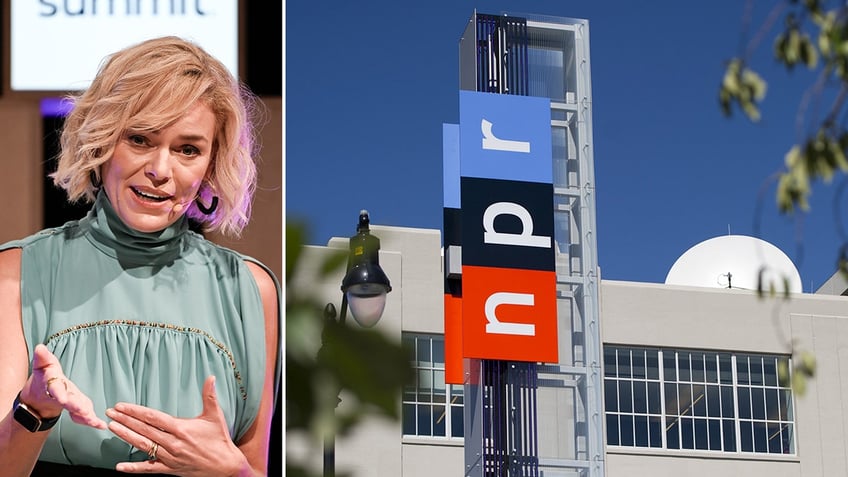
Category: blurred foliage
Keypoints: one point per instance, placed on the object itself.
(803, 369)
(813, 35)
(768, 287)
(742, 87)
(327, 361)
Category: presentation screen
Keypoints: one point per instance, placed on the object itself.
(57, 45)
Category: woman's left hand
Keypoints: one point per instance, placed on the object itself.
(186, 447)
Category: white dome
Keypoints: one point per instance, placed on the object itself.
(734, 261)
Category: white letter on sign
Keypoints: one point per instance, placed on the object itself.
(525, 238)
(494, 326)
(497, 144)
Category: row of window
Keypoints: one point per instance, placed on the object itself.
(654, 398)
(697, 400)
(691, 366)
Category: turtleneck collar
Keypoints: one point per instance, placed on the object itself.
(113, 237)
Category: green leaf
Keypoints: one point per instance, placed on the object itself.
(838, 154)
(780, 44)
(730, 83)
(783, 372)
(825, 44)
(743, 87)
(755, 83)
(809, 54)
(792, 49)
(799, 384)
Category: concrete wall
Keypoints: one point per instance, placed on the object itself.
(691, 317)
(738, 320)
(639, 314)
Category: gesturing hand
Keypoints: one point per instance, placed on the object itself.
(48, 391)
(188, 447)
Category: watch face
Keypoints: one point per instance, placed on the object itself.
(26, 418)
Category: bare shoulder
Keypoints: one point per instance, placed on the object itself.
(270, 303)
(10, 282)
(264, 281)
(269, 293)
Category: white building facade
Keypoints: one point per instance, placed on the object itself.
(690, 385)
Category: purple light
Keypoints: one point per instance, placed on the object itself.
(56, 107)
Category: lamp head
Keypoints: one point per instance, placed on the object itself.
(365, 285)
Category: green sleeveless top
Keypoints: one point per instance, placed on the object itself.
(141, 318)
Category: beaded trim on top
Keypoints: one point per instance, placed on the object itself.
(165, 326)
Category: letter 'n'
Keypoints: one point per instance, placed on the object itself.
(495, 326)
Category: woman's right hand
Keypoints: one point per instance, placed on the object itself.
(48, 391)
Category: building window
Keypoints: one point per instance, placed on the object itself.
(431, 408)
(686, 399)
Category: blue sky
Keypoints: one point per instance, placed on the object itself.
(368, 86)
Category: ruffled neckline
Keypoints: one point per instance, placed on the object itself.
(112, 236)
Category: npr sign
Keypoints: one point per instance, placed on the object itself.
(508, 262)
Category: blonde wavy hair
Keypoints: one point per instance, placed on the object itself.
(147, 87)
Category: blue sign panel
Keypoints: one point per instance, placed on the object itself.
(505, 137)
(450, 164)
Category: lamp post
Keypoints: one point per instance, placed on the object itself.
(364, 288)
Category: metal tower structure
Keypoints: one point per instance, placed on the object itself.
(547, 57)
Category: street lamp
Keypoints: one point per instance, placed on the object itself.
(365, 285)
(364, 288)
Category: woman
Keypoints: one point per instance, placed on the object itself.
(127, 315)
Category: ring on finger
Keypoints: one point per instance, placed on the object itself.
(152, 452)
(49, 382)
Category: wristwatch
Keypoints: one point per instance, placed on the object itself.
(29, 418)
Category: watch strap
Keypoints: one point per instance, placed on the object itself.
(30, 419)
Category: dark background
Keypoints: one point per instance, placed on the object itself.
(264, 75)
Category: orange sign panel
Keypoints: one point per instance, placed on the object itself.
(509, 314)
